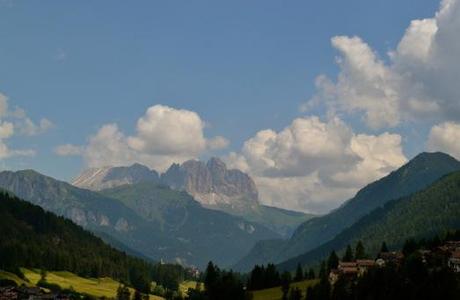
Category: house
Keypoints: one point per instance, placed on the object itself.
(454, 261)
(394, 257)
(363, 265)
(348, 269)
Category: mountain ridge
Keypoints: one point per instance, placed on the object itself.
(415, 175)
(211, 183)
(423, 214)
(100, 213)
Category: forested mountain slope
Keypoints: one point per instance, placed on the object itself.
(417, 174)
(429, 212)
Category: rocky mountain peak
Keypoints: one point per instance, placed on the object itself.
(212, 183)
(107, 177)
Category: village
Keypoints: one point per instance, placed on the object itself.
(448, 253)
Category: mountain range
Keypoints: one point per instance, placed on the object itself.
(414, 176)
(210, 183)
(424, 214)
(196, 212)
(224, 237)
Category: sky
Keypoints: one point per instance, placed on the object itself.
(314, 99)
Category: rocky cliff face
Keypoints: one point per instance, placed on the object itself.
(212, 184)
(85, 208)
(97, 179)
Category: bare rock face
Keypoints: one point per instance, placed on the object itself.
(212, 184)
(97, 179)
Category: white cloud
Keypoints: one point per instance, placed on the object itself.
(163, 135)
(27, 127)
(14, 122)
(218, 142)
(445, 137)
(6, 130)
(418, 82)
(314, 165)
(68, 150)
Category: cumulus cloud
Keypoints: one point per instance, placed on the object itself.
(163, 135)
(16, 122)
(419, 79)
(314, 165)
(445, 137)
(68, 150)
(218, 142)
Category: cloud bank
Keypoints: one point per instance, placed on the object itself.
(313, 165)
(163, 135)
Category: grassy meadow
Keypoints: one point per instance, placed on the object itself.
(276, 294)
(97, 287)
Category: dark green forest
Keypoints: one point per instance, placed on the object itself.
(416, 277)
(424, 214)
(34, 238)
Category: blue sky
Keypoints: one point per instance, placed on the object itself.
(242, 66)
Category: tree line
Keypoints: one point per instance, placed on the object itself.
(34, 238)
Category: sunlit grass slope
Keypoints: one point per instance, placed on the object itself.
(97, 287)
(276, 294)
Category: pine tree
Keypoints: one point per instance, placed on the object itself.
(322, 270)
(296, 294)
(384, 248)
(211, 279)
(360, 252)
(332, 262)
(348, 256)
(311, 274)
(285, 284)
(298, 273)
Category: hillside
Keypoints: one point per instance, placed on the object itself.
(210, 183)
(34, 238)
(102, 215)
(207, 233)
(280, 220)
(417, 174)
(151, 237)
(424, 214)
(94, 287)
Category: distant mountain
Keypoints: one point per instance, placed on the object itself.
(97, 179)
(207, 233)
(215, 236)
(229, 190)
(210, 183)
(417, 174)
(423, 214)
(33, 238)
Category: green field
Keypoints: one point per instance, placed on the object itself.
(97, 287)
(276, 294)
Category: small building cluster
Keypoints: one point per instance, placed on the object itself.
(29, 293)
(453, 249)
(351, 270)
(449, 252)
